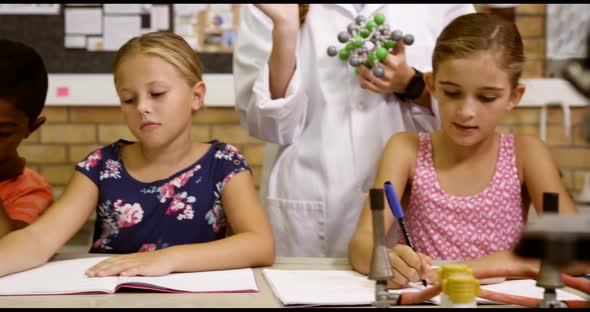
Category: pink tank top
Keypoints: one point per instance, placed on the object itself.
(448, 227)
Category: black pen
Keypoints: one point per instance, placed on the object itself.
(398, 213)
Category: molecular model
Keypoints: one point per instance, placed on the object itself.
(362, 31)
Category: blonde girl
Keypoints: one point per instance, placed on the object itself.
(164, 201)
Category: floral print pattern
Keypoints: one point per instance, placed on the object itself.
(133, 216)
(91, 161)
(129, 214)
(111, 170)
(182, 202)
(119, 216)
(167, 189)
(216, 216)
(147, 247)
(228, 153)
(108, 226)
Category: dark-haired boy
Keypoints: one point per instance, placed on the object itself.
(24, 193)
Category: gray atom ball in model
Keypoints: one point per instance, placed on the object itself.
(368, 42)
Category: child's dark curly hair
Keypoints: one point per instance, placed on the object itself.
(23, 78)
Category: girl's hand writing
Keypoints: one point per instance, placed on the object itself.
(151, 263)
(408, 265)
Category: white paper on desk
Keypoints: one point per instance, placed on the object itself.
(526, 288)
(344, 287)
(56, 277)
(235, 280)
(120, 28)
(68, 277)
(522, 287)
(320, 287)
(83, 21)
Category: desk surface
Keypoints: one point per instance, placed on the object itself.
(262, 299)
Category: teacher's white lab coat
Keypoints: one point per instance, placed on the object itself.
(329, 130)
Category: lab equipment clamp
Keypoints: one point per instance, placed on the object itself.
(558, 240)
(381, 270)
(361, 32)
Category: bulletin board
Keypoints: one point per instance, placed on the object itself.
(46, 33)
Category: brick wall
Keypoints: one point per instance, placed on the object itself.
(72, 132)
(571, 153)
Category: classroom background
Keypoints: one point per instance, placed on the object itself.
(71, 131)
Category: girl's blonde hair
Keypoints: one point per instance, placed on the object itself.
(482, 32)
(169, 46)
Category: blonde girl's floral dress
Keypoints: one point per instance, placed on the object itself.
(185, 208)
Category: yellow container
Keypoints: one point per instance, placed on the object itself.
(462, 289)
(443, 273)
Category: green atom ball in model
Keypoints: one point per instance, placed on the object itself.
(368, 42)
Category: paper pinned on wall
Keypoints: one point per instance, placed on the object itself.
(229, 39)
(62, 91)
(118, 8)
(75, 41)
(30, 8)
(95, 44)
(217, 7)
(192, 41)
(83, 21)
(120, 28)
(221, 20)
(188, 9)
(184, 29)
(160, 15)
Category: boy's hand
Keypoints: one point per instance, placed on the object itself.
(397, 73)
(408, 266)
(152, 263)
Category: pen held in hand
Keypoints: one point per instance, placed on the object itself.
(398, 213)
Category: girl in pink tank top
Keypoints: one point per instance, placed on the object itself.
(466, 180)
(449, 227)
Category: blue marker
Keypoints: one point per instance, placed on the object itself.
(398, 213)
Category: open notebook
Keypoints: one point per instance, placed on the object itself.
(349, 288)
(67, 277)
